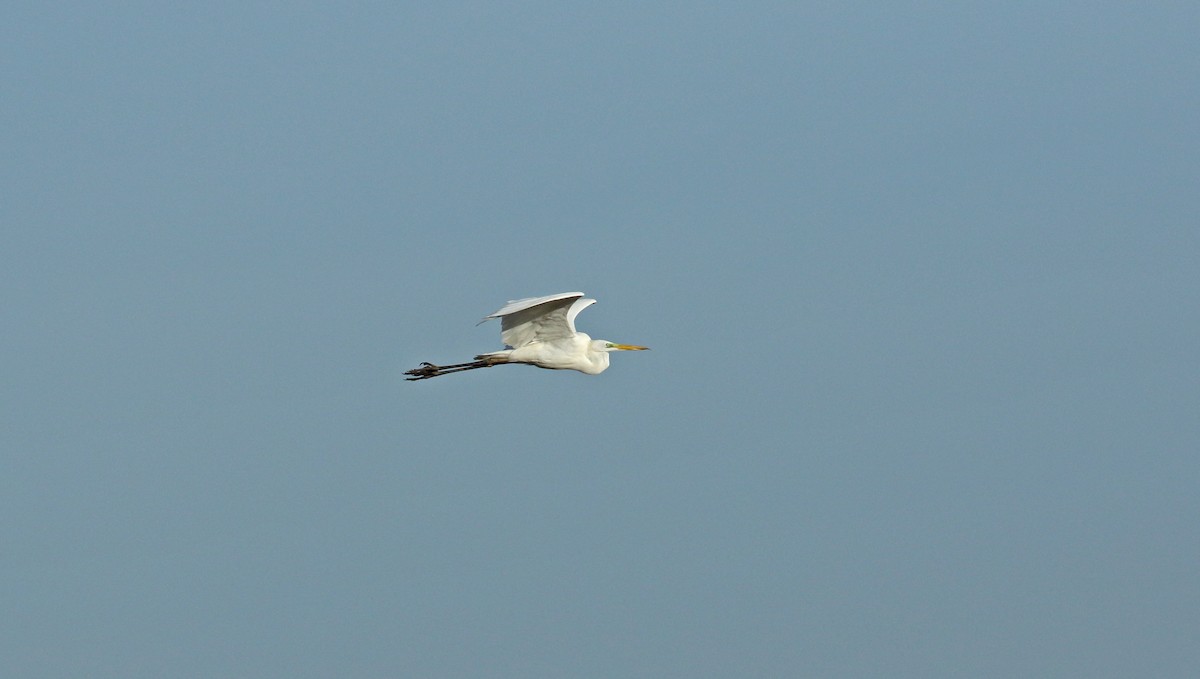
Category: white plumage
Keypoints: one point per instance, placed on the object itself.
(539, 331)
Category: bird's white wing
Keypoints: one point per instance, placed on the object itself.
(576, 307)
(539, 318)
(515, 305)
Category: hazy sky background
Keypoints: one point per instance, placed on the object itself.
(920, 280)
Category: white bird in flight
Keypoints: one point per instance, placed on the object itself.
(539, 331)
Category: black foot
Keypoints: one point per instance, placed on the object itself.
(428, 370)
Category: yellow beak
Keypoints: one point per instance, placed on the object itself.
(630, 347)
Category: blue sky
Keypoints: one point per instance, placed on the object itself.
(919, 279)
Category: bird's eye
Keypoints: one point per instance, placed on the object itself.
(609, 345)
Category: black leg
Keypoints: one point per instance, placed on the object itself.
(428, 370)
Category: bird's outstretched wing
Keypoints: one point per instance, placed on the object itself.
(539, 318)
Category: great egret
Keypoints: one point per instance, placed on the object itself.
(539, 331)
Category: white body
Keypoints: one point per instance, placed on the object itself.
(571, 353)
(541, 331)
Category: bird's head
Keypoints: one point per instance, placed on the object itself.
(605, 345)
